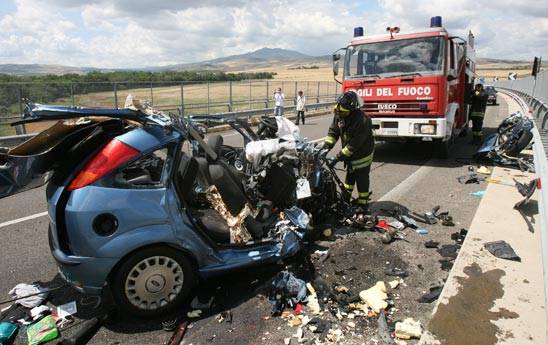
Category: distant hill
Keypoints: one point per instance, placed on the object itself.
(40, 69)
(261, 59)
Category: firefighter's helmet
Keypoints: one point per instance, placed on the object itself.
(348, 101)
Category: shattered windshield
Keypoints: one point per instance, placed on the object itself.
(391, 58)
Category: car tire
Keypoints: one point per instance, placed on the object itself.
(153, 281)
(522, 142)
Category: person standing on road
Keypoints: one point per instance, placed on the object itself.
(477, 112)
(355, 129)
(301, 102)
(279, 102)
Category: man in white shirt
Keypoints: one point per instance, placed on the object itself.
(279, 102)
(301, 102)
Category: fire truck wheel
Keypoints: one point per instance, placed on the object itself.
(442, 148)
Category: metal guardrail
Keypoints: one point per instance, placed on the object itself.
(537, 108)
(185, 97)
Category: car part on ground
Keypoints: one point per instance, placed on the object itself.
(514, 134)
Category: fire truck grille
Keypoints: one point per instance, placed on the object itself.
(393, 107)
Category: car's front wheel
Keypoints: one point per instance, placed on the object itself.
(153, 281)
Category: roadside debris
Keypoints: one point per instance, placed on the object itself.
(42, 331)
(431, 244)
(470, 179)
(384, 331)
(478, 194)
(396, 272)
(483, 170)
(503, 147)
(408, 329)
(422, 232)
(395, 283)
(178, 334)
(526, 190)
(375, 297)
(449, 250)
(194, 314)
(432, 295)
(313, 303)
(502, 250)
(286, 291)
(7, 331)
(36, 295)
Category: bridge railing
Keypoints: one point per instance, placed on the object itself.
(234, 98)
(532, 94)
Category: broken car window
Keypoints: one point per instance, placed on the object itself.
(146, 172)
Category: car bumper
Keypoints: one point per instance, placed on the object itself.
(86, 274)
(386, 128)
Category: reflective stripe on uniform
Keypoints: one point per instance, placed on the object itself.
(346, 151)
(330, 140)
(362, 162)
(477, 114)
(362, 201)
(477, 134)
(363, 195)
(349, 187)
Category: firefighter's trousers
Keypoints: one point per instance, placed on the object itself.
(477, 124)
(357, 172)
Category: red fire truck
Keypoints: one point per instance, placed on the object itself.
(414, 85)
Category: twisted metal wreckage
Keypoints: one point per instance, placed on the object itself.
(513, 135)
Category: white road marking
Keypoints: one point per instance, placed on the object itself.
(19, 220)
(405, 186)
(393, 195)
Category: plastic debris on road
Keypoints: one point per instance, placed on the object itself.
(502, 250)
(22, 290)
(478, 194)
(408, 329)
(375, 297)
(7, 330)
(286, 291)
(42, 331)
(484, 170)
(422, 232)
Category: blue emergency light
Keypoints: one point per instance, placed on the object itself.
(358, 31)
(435, 22)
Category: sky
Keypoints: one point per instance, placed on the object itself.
(140, 33)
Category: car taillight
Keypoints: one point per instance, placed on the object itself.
(114, 154)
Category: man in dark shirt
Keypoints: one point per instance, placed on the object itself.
(355, 129)
(477, 112)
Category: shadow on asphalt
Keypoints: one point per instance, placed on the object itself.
(424, 153)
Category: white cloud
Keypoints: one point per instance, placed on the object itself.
(129, 33)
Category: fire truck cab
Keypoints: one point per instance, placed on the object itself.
(414, 85)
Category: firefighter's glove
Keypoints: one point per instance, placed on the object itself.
(331, 162)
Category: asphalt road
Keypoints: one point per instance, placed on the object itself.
(405, 174)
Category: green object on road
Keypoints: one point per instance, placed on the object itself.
(7, 330)
(42, 331)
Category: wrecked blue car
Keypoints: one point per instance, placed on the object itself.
(132, 210)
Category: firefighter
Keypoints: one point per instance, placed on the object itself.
(477, 112)
(354, 128)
